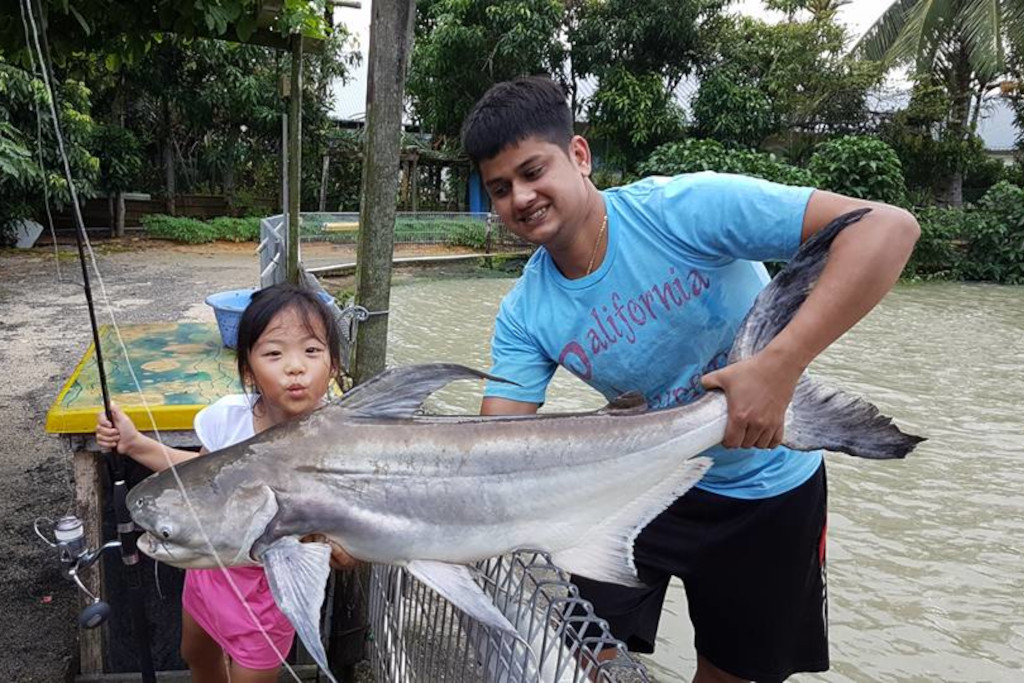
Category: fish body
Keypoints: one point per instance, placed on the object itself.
(435, 494)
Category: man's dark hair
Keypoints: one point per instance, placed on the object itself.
(514, 110)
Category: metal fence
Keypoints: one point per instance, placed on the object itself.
(474, 230)
(419, 636)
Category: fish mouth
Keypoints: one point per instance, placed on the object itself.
(173, 555)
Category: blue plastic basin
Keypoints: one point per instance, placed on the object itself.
(228, 308)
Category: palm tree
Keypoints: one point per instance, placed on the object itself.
(959, 44)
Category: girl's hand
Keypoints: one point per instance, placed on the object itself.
(120, 437)
(339, 558)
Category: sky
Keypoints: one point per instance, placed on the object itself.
(858, 16)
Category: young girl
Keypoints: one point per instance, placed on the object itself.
(287, 356)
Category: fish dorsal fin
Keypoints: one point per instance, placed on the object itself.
(629, 403)
(606, 553)
(455, 583)
(400, 392)
(297, 574)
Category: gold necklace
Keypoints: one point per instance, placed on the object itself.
(600, 234)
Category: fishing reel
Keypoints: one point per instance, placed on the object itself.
(76, 557)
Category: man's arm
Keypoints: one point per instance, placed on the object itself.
(492, 405)
(865, 261)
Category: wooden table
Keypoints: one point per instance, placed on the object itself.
(169, 373)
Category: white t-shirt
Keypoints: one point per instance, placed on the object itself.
(226, 422)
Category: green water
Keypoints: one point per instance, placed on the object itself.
(926, 556)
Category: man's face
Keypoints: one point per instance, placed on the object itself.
(539, 189)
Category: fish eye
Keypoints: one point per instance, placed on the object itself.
(165, 532)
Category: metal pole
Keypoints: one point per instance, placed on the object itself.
(294, 161)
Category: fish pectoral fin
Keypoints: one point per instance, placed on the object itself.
(606, 552)
(400, 392)
(455, 583)
(297, 574)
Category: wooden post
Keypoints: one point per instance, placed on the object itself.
(323, 182)
(390, 46)
(414, 171)
(89, 509)
(391, 34)
(294, 161)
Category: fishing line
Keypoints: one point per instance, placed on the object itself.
(27, 12)
(39, 151)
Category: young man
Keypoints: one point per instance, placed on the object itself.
(642, 288)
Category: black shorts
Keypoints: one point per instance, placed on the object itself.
(754, 572)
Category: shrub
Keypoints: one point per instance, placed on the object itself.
(939, 253)
(996, 240)
(236, 229)
(861, 167)
(176, 228)
(691, 156)
(192, 231)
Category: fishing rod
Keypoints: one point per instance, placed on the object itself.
(70, 536)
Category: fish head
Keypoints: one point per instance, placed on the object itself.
(200, 525)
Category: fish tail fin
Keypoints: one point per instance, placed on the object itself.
(822, 416)
(819, 416)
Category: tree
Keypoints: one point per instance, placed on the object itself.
(639, 51)
(800, 66)
(959, 45)
(464, 46)
(199, 108)
(31, 170)
(732, 109)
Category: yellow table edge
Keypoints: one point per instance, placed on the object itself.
(83, 420)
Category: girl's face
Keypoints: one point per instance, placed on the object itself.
(291, 366)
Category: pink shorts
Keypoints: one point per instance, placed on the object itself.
(209, 598)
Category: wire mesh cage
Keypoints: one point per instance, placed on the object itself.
(472, 230)
(419, 636)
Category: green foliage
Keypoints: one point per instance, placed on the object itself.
(996, 249)
(731, 109)
(26, 178)
(800, 67)
(939, 253)
(632, 114)
(861, 167)
(692, 156)
(961, 47)
(464, 46)
(192, 231)
(664, 37)
(236, 229)
(931, 151)
(120, 158)
(124, 31)
(639, 51)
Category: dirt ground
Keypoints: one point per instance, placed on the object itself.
(44, 330)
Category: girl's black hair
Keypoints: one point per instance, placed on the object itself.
(268, 302)
(514, 110)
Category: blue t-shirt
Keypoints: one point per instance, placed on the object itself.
(682, 269)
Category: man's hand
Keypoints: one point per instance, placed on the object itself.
(121, 436)
(758, 390)
(340, 559)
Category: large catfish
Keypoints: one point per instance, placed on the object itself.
(435, 494)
